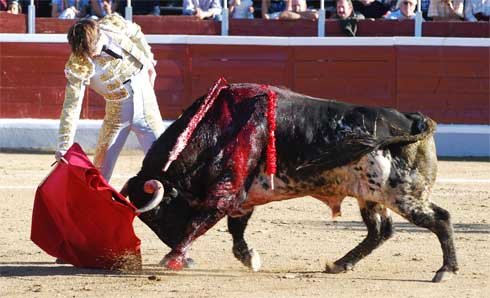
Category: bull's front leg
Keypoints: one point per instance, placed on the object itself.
(176, 259)
(248, 257)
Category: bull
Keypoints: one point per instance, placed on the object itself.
(322, 148)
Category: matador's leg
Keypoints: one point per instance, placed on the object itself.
(147, 121)
(112, 136)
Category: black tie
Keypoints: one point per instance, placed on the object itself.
(110, 52)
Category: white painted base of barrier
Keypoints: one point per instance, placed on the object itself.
(463, 140)
(39, 135)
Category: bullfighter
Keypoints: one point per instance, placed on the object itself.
(113, 58)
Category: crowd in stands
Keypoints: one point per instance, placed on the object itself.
(469, 10)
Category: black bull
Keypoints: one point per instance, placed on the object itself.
(325, 148)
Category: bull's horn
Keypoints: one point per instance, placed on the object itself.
(156, 188)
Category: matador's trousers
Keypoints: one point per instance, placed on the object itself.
(138, 113)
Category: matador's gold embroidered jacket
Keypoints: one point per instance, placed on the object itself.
(103, 74)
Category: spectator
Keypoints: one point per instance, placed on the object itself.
(446, 10)
(171, 7)
(101, 8)
(370, 9)
(272, 9)
(241, 9)
(405, 11)
(425, 9)
(477, 10)
(299, 10)
(3, 5)
(69, 9)
(151, 8)
(391, 5)
(14, 7)
(345, 10)
(348, 17)
(203, 9)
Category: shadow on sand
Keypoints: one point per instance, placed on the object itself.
(39, 269)
(399, 227)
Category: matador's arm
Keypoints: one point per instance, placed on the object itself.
(78, 73)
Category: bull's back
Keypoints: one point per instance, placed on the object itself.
(319, 134)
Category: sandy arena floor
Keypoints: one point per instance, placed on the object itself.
(294, 238)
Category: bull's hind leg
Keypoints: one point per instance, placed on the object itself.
(437, 220)
(248, 257)
(380, 227)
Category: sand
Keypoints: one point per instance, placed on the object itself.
(294, 239)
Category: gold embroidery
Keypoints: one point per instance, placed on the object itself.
(113, 86)
(80, 67)
(123, 93)
(106, 76)
(109, 130)
(103, 60)
(109, 96)
(117, 95)
(114, 20)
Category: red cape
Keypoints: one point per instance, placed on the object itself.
(79, 218)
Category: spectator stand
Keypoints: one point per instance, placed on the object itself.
(171, 21)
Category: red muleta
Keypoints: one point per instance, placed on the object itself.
(80, 219)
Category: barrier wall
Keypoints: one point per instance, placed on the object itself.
(259, 27)
(448, 79)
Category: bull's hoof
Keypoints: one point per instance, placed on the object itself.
(177, 263)
(255, 262)
(189, 263)
(174, 264)
(444, 274)
(333, 268)
(250, 258)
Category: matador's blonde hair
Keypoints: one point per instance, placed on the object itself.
(83, 37)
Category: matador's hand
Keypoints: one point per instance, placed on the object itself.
(58, 155)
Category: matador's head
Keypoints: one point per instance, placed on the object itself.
(83, 37)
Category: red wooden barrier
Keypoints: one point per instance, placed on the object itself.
(451, 84)
(11, 23)
(32, 79)
(53, 25)
(355, 74)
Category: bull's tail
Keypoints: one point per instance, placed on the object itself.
(355, 145)
(422, 127)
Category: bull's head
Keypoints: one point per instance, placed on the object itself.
(165, 214)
